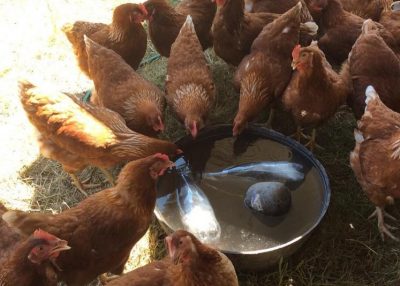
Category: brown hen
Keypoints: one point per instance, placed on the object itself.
(125, 35)
(375, 159)
(340, 29)
(372, 62)
(234, 30)
(270, 6)
(390, 19)
(33, 261)
(190, 87)
(166, 21)
(121, 89)
(315, 91)
(103, 228)
(78, 135)
(264, 74)
(366, 9)
(190, 263)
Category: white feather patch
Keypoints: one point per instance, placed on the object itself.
(358, 136)
(249, 6)
(312, 28)
(370, 94)
(286, 30)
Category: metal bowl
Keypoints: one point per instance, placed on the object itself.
(395, 6)
(252, 241)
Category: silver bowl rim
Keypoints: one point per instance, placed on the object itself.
(262, 131)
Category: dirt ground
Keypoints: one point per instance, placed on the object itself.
(34, 48)
(345, 249)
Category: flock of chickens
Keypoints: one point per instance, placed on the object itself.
(278, 64)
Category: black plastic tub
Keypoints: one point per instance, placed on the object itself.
(251, 240)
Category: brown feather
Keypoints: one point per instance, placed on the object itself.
(377, 145)
(103, 228)
(264, 74)
(190, 87)
(372, 62)
(166, 21)
(121, 89)
(124, 36)
(315, 91)
(78, 134)
(340, 29)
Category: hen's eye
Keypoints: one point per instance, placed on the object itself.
(303, 55)
(40, 248)
(180, 242)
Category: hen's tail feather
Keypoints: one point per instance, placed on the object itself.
(305, 15)
(368, 26)
(24, 86)
(66, 28)
(189, 24)
(358, 136)
(89, 43)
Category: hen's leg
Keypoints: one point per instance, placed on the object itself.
(270, 118)
(80, 185)
(312, 143)
(108, 175)
(384, 228)
(105, 279)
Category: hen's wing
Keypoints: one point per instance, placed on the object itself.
(381, 182)
(73, 125)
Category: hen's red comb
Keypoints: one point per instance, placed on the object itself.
(143, 9)
(296, 52)
(41, 234)
(162, 156)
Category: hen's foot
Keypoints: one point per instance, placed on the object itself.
(312, 144)
(385, 214)
(384, 229)
(298, 135)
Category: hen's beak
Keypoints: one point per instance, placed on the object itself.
(194, 130)
(60, 245)
(159, 126)
(171, 249)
